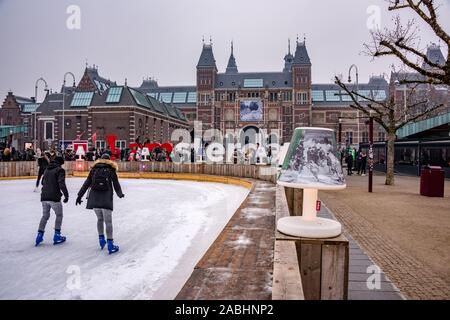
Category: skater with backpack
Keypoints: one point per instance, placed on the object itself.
(53, 187)
(101, 181)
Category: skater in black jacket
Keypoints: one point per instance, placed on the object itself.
(43, 162)
(101, 181)
(53, 187)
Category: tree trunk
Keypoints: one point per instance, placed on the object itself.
(390, 159)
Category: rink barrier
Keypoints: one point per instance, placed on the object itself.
(12, 169)
(178, 176)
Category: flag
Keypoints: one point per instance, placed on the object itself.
(94, 138)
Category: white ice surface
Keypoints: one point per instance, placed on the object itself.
(163, 228)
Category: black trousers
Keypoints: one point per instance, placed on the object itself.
(40, 174)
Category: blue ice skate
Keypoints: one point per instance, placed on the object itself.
(111, 247)
(58, 238)
(39, 238)
(102, 241)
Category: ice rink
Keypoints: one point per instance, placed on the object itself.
(163, 228)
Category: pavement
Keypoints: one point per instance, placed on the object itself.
(404, 233)
(366, 280)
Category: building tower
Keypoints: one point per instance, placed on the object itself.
(288, 59)
(206, 77)
(301, 83)
(231, 67)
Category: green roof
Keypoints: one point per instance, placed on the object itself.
(7, 130)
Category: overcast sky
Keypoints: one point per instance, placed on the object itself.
(163, 38)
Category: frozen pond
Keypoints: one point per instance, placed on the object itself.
(163, 228)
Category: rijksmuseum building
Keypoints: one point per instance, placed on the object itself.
(272, 102)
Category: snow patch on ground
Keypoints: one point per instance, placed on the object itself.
(256, 213)
(163, 228)
(241, 242)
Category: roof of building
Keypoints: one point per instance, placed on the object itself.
(52, 102)
(248, 80)
(434, 54)
(207, 57)
(301, 56)
(113, 96)
(231, 66)
(97, 82)
(178, 95)
(331, 94)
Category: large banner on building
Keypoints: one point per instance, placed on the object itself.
(251, 110)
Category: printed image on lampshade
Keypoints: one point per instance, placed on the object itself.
(312, 161)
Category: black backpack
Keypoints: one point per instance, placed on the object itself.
(101, 179)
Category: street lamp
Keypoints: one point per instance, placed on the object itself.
(35, 111)
(353, 66)
(63, 105)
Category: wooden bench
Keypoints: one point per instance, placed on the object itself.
(287, 282)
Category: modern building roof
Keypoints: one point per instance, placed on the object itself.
(331, 94)
(178, 95)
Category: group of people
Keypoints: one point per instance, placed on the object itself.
(355, 160)
(12, 154)
(100, 183)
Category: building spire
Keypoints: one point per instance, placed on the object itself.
(289, 46)
(231, 67)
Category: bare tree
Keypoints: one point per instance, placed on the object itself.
(391, 116)
(402, 42)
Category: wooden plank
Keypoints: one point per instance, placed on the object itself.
(334, 280)
(289, 199)
(310, 256)
(287, 282)
(297, 206)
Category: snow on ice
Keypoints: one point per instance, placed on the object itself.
(162, 227)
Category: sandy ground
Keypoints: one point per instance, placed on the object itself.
(419, 225)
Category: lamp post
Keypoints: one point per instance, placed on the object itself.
(35, 111)
(353, 66)
(63, 105)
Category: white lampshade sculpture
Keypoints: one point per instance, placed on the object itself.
(311, 164)
(145, 153)
(80, 152)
